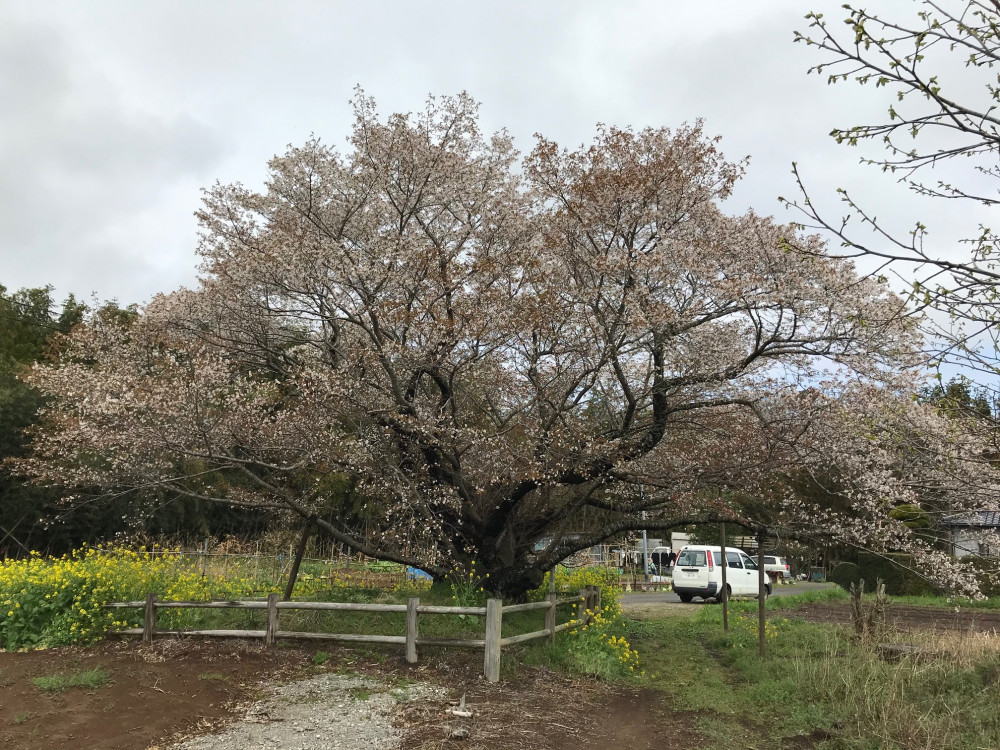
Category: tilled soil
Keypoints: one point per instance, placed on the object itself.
(905, 617)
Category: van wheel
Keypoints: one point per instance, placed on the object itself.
(686, 598)
(725, 596)
(767, 592)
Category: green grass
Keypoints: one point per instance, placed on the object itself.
(93, 678)
(831, 594)
(212, 677)
(948, 601)
(320, 658)
(815, 678)
(923, 601)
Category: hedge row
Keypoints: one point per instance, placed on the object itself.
(894, 570)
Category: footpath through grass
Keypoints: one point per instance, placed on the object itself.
(818, 686)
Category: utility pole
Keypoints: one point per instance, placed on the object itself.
(725, 591)
(761, 596)
(645, 556)
(645, 549)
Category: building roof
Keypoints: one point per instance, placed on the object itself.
(982, 519)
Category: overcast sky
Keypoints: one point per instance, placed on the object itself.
(113, 115)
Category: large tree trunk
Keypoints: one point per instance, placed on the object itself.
(514, 585)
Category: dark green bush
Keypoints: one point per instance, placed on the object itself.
(894, 571)
(845, 574)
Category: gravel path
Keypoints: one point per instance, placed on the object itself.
(329, 712)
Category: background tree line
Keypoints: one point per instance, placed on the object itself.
(37, 517)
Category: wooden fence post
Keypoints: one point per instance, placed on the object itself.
(272, 619)
(597, 598)
(550, 617)
(494, 622)
(411, 629)
(149, 619)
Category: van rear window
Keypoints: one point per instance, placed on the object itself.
(691, 558)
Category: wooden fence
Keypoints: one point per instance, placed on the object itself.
(589, 598)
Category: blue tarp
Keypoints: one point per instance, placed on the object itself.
(416, 573)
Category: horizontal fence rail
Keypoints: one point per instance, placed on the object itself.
(491, 643)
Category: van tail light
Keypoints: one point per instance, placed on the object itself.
(711, 564)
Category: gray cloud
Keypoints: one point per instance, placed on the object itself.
(115, 114)
(77, 162)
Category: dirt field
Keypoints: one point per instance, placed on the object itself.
(174, 690)
(908, 617)
(899, 616)
(180, 688)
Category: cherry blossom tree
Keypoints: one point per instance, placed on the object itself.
(513, 359)
(936, 63)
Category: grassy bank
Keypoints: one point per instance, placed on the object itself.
(818, 683)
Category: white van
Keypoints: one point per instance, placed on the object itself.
(698, 572)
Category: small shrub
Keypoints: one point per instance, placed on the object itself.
(894, 571)
(468, 589)
(571, 580)
(320, 658)
(845, 575)
(600, 648)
